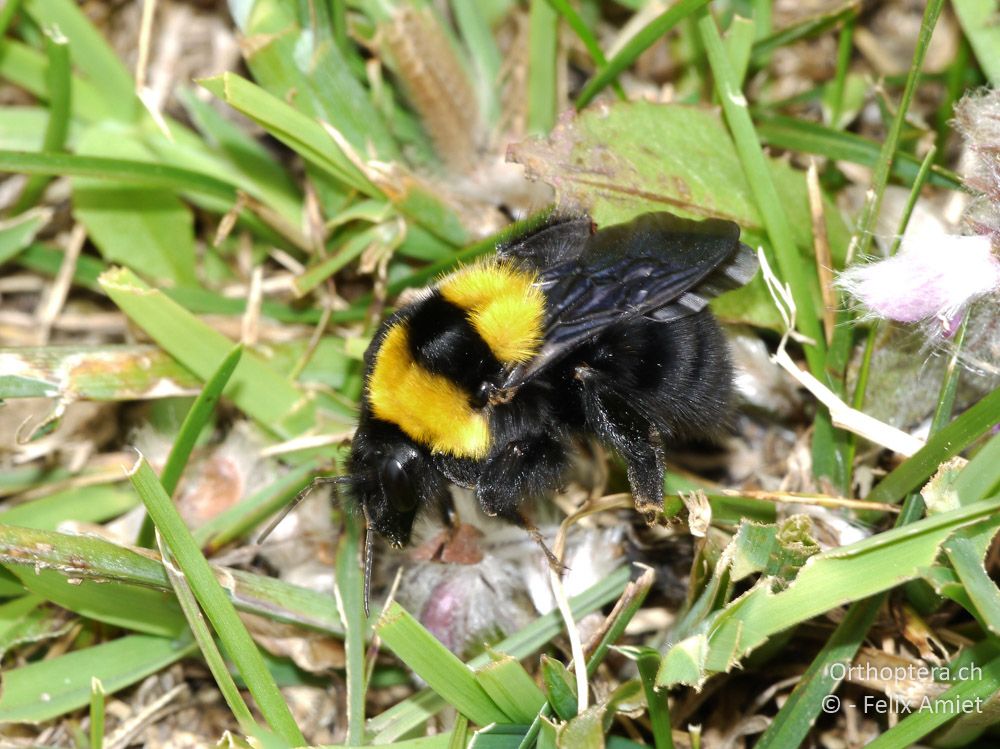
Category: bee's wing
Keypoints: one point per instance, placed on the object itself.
(658, 266)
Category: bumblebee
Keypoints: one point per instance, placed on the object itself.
(491, 377)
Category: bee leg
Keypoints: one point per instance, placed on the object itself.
(612, 417)
(449, 513)
(536, 535)
(644, 469)
(524, 468)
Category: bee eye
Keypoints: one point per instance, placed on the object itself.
(481, 397)
(398, 488)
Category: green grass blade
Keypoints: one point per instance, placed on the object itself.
(17, 233)
(218, 608)
(804, 29)
(830, 579)
(255, 387)
(945, 444)
(798, 714)
(91, 54)
(209, 650)
(25, 66)
(46, 689)
(978, 19)
(511, 687)
(484, 53)
(973, 694)
(648, 661)
(196, 419)
(435, 664)
(793, 134)
(880, 178)
(138, 172)
(981, 477)
(23, 550)
(580, 28)
(638, 44)
(96, 713)
(543, 44)
(86, 504)
(409, 714)
(350, 604)
(765, 194)
(739, 43)
(58, 79)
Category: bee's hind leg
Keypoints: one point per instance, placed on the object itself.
(613, 417)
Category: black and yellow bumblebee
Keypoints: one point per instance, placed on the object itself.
(493, 375)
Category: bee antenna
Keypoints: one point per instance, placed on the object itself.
(369, 545)
(337, 481)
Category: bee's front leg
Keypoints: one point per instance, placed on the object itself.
(525, 468)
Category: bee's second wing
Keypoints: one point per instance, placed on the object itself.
(658, 266)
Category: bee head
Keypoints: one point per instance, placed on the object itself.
(400, 481)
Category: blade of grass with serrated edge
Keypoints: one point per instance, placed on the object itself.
(643, 40)
(789, 261)
(58, 78)
(438, 666)
(257, 389)
(829, 579)
(187, 436)
(407, 715)
(209, 650)
(45, 689)
(236, 641)
(349, 594)
(254, 594)
(586, 36)
(806, 701)
(511, 687)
